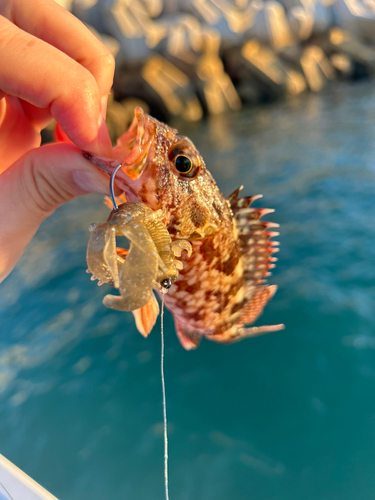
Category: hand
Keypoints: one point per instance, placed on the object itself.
(52, 66)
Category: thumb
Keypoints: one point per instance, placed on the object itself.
(31, 190)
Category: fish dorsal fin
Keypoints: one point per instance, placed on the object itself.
(188, 338)
(145, 317)
(255, 237)
(254, 308)
(237, 203)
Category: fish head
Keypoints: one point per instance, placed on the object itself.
(164, 170)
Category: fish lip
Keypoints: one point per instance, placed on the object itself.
(131, 151)
(137, 128)
(137, 142)
(106, 165)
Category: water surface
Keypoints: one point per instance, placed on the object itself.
(285, 416)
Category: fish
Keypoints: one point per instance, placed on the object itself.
(222, 285)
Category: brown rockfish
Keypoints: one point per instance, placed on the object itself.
(221, 287)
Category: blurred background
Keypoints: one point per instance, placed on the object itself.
(285, 416)
(190, 59)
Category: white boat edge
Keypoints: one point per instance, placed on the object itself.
(19, 485)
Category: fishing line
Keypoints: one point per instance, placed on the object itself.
(164, 289)
(164, 403)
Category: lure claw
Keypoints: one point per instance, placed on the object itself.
(149, 263)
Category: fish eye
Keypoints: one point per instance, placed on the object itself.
(183, 164)
(184, 160)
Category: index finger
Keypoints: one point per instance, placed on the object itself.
(48, 21)
(42, 75)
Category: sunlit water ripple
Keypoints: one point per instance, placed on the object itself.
(286, 416)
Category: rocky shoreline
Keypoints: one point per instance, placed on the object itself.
(188, 59)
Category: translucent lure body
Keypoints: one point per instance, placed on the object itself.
(150, 263)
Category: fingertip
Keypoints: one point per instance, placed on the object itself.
(104, 102)
(105, 71)
(77, 108)
(102, 145)
(95, 141)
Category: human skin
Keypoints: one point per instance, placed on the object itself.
(52, 67)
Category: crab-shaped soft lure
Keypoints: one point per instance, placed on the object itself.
(150, 263)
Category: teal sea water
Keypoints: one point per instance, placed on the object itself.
(285, 416)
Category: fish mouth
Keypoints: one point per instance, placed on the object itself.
(131, 150)
(133, 147)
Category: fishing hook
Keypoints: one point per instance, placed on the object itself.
(112, 187)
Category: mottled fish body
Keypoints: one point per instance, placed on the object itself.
(221, 287)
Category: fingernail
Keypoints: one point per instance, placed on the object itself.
(104, 106)
(103, 141)
(102, 144)
(88, 182)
